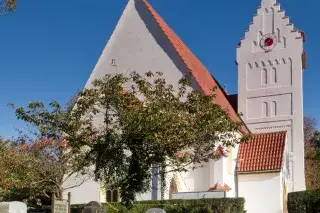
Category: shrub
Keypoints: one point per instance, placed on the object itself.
(216, 205)
(304, 202)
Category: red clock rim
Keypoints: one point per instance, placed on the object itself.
(268, 42)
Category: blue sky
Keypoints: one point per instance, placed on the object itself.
(49, 48)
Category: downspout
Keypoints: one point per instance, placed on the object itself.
(236, 179)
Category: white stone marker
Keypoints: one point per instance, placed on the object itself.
(13, 207)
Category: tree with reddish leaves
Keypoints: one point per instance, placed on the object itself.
(41, 161)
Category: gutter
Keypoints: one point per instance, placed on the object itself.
(260, 172)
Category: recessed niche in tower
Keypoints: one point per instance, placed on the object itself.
(274, 109)
(290, 71)
(264, 77)
(284, 42)
(274, 76)
(265, 112)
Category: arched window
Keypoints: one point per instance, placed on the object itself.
(112, 195)
(265, 112)
(109, 196)
(264, 76)
(115, 196)
(274, 108)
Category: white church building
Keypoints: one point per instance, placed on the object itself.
(270, 60)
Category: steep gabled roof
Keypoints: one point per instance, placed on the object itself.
(264, 152)
(196, 68)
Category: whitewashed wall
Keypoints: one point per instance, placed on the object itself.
(88, 191)
(262, 192)
(137, 44)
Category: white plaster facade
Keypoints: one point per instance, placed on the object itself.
(266, 191)
(270, 98)
(137, 44)
(270, 82)
(262, 192)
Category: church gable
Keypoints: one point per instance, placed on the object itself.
(142, 41)
(270, 29)
(138, 44)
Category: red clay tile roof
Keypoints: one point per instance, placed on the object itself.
(264, 152)
(219, 187)
(197, 69)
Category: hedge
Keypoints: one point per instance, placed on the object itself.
(217, 205)
(304, 202)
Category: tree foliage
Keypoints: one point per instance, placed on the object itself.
(130, 123)
(42, 163)
(28, 171)
(312, 154)
(124, 124)
(7, 6)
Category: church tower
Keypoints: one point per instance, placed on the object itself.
(271, 61)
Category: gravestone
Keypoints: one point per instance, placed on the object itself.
(13, 207)
(93, 207)
(155, 210)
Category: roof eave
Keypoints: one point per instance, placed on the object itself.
(260, 172)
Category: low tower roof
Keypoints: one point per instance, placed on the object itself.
(264, 152)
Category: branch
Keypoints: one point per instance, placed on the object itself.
(77, 185)
(45, 194)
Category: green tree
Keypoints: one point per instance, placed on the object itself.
(126, 124)
(48, 164)
(7, 6)
(138, 121)
(16, 170)
(312, 154)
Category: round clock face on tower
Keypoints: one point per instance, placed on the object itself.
(268, 41)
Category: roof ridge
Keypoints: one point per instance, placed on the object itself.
(199, 72)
